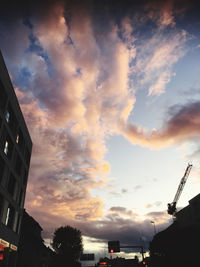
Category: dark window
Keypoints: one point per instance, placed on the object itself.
(3, 138)
(11, 185)
(27, 156)
(10, 150)
(10, 216)
(18, 224)
(21, 141)
(1, 205)
(3, 97)
(18, 165)
(25, 177)
(21, 198)
(2, 167)
(11, 119)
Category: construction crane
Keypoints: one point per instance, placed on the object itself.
(172, 206)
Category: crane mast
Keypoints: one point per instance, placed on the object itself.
(172, 206)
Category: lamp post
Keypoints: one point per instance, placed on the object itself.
(154, 226)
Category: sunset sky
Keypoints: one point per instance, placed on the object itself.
(110, 91)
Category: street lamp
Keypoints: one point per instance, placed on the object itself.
(154, 226)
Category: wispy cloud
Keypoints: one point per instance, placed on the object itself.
(156, 58)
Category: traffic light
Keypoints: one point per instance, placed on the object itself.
(113, 246)
(1, 252)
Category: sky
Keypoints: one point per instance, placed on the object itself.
(110, 91)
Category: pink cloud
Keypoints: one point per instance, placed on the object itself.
(85, 97)
(183, 125)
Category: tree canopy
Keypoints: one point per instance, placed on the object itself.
(67, 243)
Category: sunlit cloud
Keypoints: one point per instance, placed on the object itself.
(77, 82)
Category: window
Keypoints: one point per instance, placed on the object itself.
(25, 177)
(21, 198)
(15, 221)
(10, 216)
(7, 116)
(3, 97)
(11, 119)
(11, 185)
(6, 148)
(18, 224)
(27, 156)
(18, 165)
(2, 167)
(21, 141)
(7, 216)
(1, 205)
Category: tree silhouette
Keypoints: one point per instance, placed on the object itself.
(67, 243)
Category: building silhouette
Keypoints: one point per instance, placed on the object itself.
(15, 153)
(32, 251)
(178, 245)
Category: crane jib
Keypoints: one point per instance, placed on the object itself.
(172, 206)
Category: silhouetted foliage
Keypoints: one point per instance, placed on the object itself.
(67, 243)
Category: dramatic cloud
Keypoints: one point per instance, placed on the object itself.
(76, 77)
(113, 227)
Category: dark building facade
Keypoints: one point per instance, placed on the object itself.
(179, 244)
(15, 153)
(31, 250)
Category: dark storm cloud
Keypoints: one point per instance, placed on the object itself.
(182, 124)
(112, 227)
(184, 120)
(11, 10)
(102, 10)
